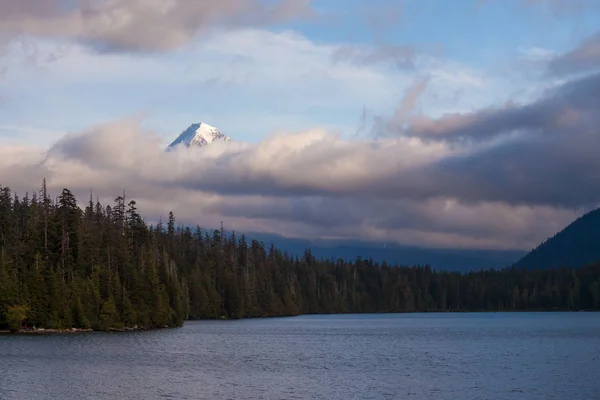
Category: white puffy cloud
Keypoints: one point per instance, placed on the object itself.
(138, 25)
(316, 183)
(246, 82)
(498, 176)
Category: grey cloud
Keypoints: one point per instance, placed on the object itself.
(138, 25)
(323, 212)
(584, 58)
(320, 212)
(543, 153)
(243, 186)
(97, 147)
(522, 163)
(20, 166)
(408, 102)
(559, 109)
(556, 170)
(412, 222)
(402, 56)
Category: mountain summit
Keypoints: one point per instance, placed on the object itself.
(198, 135)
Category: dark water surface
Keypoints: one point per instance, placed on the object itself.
(407, 356)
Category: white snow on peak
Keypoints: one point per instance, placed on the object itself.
(199, 135)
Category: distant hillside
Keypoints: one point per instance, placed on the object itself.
(575, 246)
(460, 260)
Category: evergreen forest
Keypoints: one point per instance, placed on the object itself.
(102, 267)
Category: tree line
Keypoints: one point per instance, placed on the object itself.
(102, 267)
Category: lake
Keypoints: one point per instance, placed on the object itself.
(459, 356)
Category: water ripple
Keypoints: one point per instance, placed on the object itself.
(414, 356)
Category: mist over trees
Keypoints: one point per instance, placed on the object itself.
(102, 267)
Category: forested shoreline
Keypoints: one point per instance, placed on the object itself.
(101, 267)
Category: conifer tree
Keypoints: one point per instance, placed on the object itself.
(62, 266)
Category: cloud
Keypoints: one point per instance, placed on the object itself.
(498, 176)
(22, 168)
(402, 56)
(540, 153)
(139, 25)
(524, 172)
(435, 222)
(561, 108)
(408, 104)
(249, 72)
(492, 155)
(584, 58)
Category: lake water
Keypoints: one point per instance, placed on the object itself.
(395, 356)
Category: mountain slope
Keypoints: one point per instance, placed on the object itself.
(460, 260)
(575, 246)
(198, 135)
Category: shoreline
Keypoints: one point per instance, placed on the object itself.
(43, 331)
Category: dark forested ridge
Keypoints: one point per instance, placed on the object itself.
(102, 267)
(575, 246)
(459, 260)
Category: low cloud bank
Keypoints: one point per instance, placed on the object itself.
(503, 177)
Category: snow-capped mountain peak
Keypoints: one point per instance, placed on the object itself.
(199, 135)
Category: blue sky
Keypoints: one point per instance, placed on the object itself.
(466, 29)
(488, 40)
(408, 121)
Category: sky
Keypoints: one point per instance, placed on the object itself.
(462, 124)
